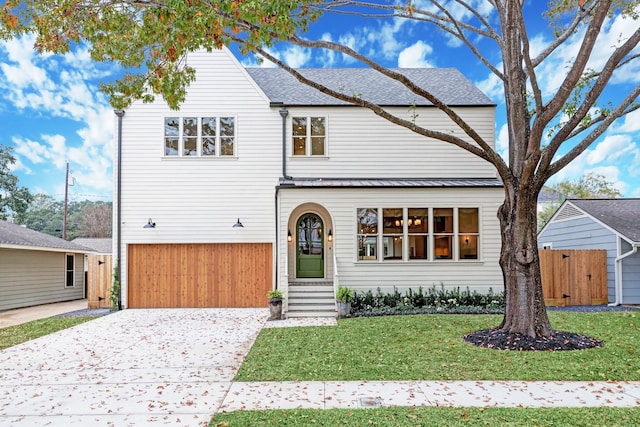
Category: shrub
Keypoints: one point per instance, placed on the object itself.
(434, 300)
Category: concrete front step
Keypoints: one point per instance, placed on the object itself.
(311, 299)
(324, 313)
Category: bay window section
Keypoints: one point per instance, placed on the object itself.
(468, 231)
(367, 234)
(418, 229)
(443, 233)
(393, 231)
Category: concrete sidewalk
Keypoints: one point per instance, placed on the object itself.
(369, 394)
(18, 316)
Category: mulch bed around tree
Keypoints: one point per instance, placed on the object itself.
(501, 340)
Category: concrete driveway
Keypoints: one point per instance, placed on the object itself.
(130, 368)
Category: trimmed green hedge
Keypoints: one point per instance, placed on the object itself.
(433, 300)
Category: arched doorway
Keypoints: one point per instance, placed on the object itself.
(310, 246)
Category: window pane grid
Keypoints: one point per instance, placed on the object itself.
(442, 234)
(308, 136)
(199, 136)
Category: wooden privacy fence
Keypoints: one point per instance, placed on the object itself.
(99, 281)
(574, 277)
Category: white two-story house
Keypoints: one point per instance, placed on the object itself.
(261, 182)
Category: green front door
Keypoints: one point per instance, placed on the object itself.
(310, 244)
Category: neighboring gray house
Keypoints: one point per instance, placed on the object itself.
(611, 224)
(36, 268)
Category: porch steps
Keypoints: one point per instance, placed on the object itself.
(311, 299)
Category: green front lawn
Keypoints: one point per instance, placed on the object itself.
(17, 334)
(430, 347)
(431, 416)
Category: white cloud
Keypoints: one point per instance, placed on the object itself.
(630, 123)
(493, 87)
(296, 56)
(502, 142)
(611, 149)
(59, 87)
(415, 56)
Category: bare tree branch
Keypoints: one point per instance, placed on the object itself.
(590, 98)
(595, 134)
(487, 153)
(564, 36)
(577, 68)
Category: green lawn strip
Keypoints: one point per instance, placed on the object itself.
(430, 347)
(431, 416)
(17, 334)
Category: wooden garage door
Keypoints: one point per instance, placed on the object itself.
(199, 275)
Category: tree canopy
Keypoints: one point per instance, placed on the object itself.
(84, 218)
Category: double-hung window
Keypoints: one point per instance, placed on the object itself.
(309, 136)
(199, 136)
(418, 233)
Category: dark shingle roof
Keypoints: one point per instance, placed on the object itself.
(622, 215)
(16, 235)
(388, 183)
(103, 245)
(448, 84)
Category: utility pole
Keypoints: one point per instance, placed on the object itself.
(66, 200)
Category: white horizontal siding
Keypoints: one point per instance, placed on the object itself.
(30, 278)
(363, 145)
(342, 205)
(197, 200)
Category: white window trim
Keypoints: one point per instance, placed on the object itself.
(431, 237)
(199, 154)
(307, 147)
(73, 281)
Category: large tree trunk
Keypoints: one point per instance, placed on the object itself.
(525, 311)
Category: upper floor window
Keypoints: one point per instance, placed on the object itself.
(199, 136)
(309, 136)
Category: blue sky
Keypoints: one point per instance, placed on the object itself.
(53, 111)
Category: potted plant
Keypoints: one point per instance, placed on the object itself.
(344, 296)
(275, 304)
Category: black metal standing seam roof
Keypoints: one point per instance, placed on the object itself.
(16, 235)
(389, 183)
(447, 84)
(622, 215)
